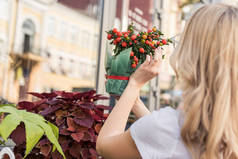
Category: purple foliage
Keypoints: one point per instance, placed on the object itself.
(78, 118)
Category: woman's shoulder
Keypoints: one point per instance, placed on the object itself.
(163, 120)
(157, 135)
(167, 114)
(169, 117)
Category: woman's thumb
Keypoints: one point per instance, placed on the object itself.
(147, 61)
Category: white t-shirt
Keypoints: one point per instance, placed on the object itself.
(157, 135)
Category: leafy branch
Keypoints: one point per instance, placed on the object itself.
(35, 127)
(187, 2)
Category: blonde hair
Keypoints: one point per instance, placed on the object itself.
(206, 63)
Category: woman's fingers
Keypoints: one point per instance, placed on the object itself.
(150, 60)
(147, 61)
(160, 54)
(154, 65)
(148, 70)
(156, 56)
(157, 59)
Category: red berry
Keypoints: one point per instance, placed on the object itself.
(109, 36)
(164, 41)
(138, 34)
(132, 54)
(123, 44)
(125, 35)
(141, 50)
(135, 41)
(133, 37)
(154, 29)
(114, 30)
(154, 47)
(158, 43)
(118, 39)
(130, 43)
(149, 31)
(144, 37)
(133, 65)
(119, 34)
(147, 42)
(114, 42)
(136, 59)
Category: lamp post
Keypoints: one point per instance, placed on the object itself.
(107, 17)
(154, 92)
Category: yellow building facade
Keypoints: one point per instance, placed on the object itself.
(46, 46)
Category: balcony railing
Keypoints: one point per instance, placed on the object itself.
(33, 54)
(34, 50)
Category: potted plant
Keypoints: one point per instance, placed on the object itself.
(78, 118)
(130, 51)
(33, 125)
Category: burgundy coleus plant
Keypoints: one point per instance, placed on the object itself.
(78, 118)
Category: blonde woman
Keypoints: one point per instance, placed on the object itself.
(206, 64)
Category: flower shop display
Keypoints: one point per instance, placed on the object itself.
(130, 51)
(78, 118)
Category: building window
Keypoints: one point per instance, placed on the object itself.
(85, 38)
(4, 9)
(51, 26)
(48, 55)
(47, 65)
(80, 38)
(74, 35)
(1, 47)
(62, 66)
(28, 35)
(95, 42)
(63, 30)
(72, 67)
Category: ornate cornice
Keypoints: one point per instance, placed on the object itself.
(47, 2)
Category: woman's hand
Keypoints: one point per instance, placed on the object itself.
(148, 70)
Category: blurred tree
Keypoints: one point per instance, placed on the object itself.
(187, 2)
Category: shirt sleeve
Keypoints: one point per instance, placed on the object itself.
(156, 134)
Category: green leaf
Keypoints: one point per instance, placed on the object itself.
(50, 135)
(36, 126)
(55, 131)
(12, 105)
(169, 40)
(31, 117)
(33, 135)
(8, 109)
(9, 123)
